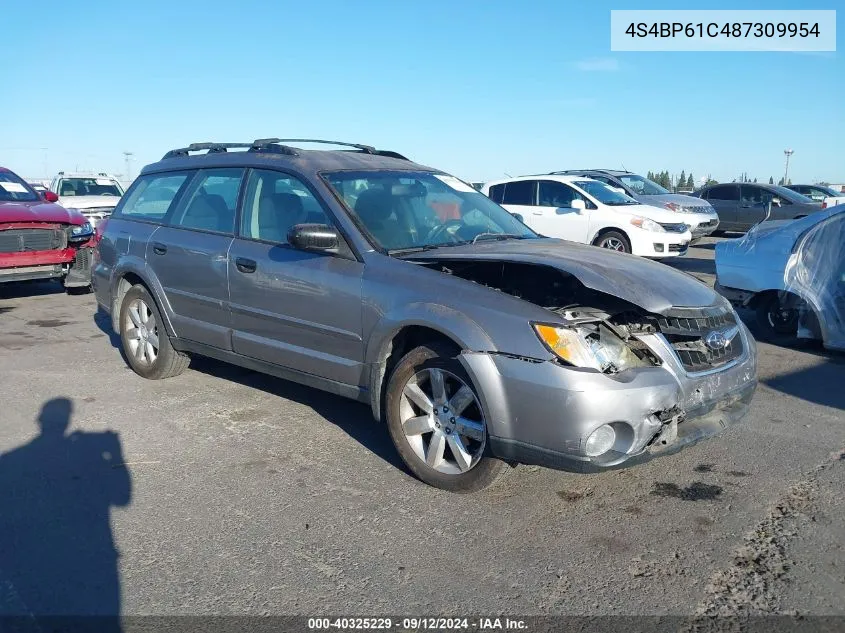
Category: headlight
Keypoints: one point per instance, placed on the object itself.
(81, 231)
(594, 346)
(647, 225)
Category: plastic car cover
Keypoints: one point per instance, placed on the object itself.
(815, 272)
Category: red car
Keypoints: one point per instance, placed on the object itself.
(40, 239)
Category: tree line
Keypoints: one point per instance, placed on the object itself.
(684, 181)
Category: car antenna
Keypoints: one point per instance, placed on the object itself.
(508, 175)
(623, 167)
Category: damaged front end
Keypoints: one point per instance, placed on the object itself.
(622, 384)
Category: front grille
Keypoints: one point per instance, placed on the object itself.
(678, 248)
(23, 240)
(688, 332)
(697, 209)
(674, 228)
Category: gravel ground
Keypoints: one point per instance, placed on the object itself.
(223, 491)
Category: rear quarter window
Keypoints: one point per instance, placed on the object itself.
(151, 197)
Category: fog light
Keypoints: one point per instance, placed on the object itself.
(600, 441)
(658, 248)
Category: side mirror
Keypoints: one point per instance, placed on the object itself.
(313, 237)
(50, 196)
(519, 217)
(776, 202)
(578, 205)
(618, 189)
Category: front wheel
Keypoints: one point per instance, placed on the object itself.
(437, 423)
(614, 241)
(777, 317)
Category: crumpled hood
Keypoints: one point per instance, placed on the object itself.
(652, 286)
(88, 202)
(38, 211)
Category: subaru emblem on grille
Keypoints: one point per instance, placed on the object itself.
(719, 339)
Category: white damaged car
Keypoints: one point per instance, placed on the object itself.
(94, 195)
(580, 209)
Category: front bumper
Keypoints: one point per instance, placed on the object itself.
(704, 228)
(540, 412)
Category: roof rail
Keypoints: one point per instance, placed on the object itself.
(275, 145)
(219, 148)
(369, 149)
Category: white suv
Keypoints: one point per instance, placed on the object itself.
(94, 195)
(584, 210)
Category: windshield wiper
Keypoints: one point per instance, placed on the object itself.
(415, 249)
(496, 236)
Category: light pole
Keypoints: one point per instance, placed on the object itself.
(127, 157)
(788, 153)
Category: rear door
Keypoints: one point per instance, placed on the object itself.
(190, 256)
(753, 206)
(725, 199)
(520, 198)
(558, 218)
(292, 308)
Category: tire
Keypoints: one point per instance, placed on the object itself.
(136, 312)
(777, 318)
(78, 290)
(476, 468)
(614, 241)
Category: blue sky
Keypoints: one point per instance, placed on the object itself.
(476, 88)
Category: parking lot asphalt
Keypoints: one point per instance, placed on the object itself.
(223, 491)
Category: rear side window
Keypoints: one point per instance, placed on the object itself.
(724, 192)
(497, 193)
(151, 197)
(211, 201)
(520, 192)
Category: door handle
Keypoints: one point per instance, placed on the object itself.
(245, 265)
(159, 248)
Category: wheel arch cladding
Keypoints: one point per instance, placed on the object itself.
(124, 280)
(396, 334)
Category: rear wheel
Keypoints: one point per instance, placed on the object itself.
(437, 423)
(146, 345)
(614, 241)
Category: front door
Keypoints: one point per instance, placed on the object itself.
(190, 256)
(555, 216)
(292, 308)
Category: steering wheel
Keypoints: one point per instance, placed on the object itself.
(444, 228)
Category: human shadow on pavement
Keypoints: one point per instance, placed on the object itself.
(353, 418)
(58, 560)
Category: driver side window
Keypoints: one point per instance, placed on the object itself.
(559, 195)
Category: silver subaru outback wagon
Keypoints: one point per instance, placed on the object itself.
(479, 342)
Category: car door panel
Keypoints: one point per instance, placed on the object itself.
(298, 310)
(725, 208)
(193, 272)
(189, 256)
(753, 206)
(558, 218)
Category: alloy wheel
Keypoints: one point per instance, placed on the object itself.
(141, 332)
(613, 244)
(442, 421)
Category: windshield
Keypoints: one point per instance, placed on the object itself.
(790, 195)
(89, 187)
(13, 189)
(605, 194)
(417, 210)
(643, 186)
